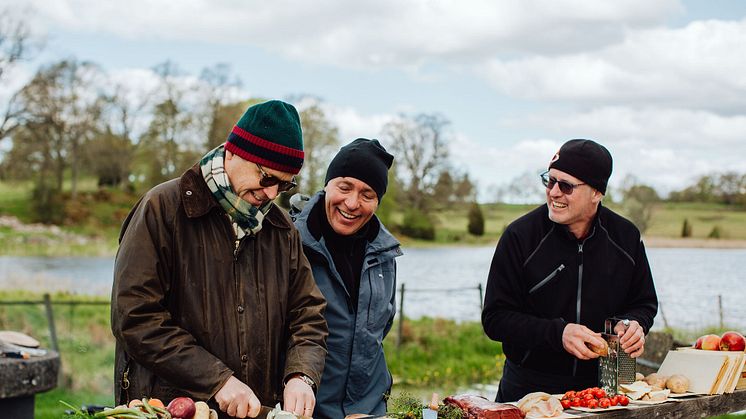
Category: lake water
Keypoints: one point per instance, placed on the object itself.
(443, 282)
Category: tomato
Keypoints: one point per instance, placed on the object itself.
(588, 396)
(569, 395)
(623, 400)
(565, 403)
(604, 402)
(592, 403)
(575, 402)
(614, 400)
(599, 393)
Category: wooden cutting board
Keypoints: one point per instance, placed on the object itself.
(704, 370)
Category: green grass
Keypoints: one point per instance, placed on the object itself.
(97, 214)
(442, 353)
(435, 355)
(15, 200)
(668, 219)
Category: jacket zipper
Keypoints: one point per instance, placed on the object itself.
(579, 296)
(547, 279)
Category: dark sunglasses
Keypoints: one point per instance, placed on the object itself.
(566, 187)
(267, 180)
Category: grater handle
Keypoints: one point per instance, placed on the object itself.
(609, 324)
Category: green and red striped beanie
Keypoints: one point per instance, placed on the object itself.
(269, 134)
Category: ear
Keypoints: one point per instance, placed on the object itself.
(228, 155)
(597, 196)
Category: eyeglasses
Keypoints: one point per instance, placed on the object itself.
(268, 180)
(566, 187)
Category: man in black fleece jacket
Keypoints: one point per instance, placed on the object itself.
(559, 272)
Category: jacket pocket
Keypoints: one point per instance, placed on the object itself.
(547, 279)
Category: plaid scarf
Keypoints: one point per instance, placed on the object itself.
(248, 217)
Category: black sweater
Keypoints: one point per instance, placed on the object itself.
(542, 278)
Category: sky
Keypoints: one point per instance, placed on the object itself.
(662, 84)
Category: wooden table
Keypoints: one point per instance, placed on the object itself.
(692, 407)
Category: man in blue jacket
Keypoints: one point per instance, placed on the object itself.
(353, 260)
(559, 272)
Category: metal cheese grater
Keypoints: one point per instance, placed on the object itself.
(617, 367)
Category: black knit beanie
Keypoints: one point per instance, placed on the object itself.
(365, 160)
(587, 160)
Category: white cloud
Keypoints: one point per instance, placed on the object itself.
(352, 124)
(369, 33)
(663, 147)
(702, 65)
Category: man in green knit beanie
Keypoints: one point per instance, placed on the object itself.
(212, 296)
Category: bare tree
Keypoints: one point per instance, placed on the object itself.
(16, 44)
(320, 142)
(165, 145)
(61, 110)
(221, 112)
(420, 144)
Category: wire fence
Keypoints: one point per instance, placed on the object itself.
(404, 292)
(48, 304)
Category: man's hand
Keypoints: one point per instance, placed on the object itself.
(632, 338)
(574, 339)
(299, 397)
(237, 399)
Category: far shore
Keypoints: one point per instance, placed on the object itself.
(694, 243)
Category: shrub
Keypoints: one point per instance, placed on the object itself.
(476, 220)
(686, 229)
(47, 206)
(418, 225)
(715, 233)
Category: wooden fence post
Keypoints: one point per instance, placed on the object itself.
(50, 322)
(401, 316)
(481, 297)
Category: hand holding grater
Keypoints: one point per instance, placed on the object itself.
(617, 367)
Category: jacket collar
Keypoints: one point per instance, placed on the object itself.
(199, 201)
(564, 230)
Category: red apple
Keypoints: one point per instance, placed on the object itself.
(732, 341)
(698, 343)
(711, 342)
(182, 407)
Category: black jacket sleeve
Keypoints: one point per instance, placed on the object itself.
(641, 301)
(504, 318)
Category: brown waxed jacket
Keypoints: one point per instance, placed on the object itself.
(189, 309)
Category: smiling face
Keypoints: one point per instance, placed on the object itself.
(244, 177)
(349, 204)
(575, 210)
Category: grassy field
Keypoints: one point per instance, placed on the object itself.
(435, 355)
(93, 221)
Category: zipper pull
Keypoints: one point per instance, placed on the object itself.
(125, 379)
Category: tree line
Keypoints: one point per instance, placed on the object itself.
(72, 120)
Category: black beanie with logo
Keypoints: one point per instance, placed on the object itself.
(587, 160)
(365, 160)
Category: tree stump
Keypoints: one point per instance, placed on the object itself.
(21, 379)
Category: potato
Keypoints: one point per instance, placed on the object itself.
(677, 384)
(600, 350)
(656, 380)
